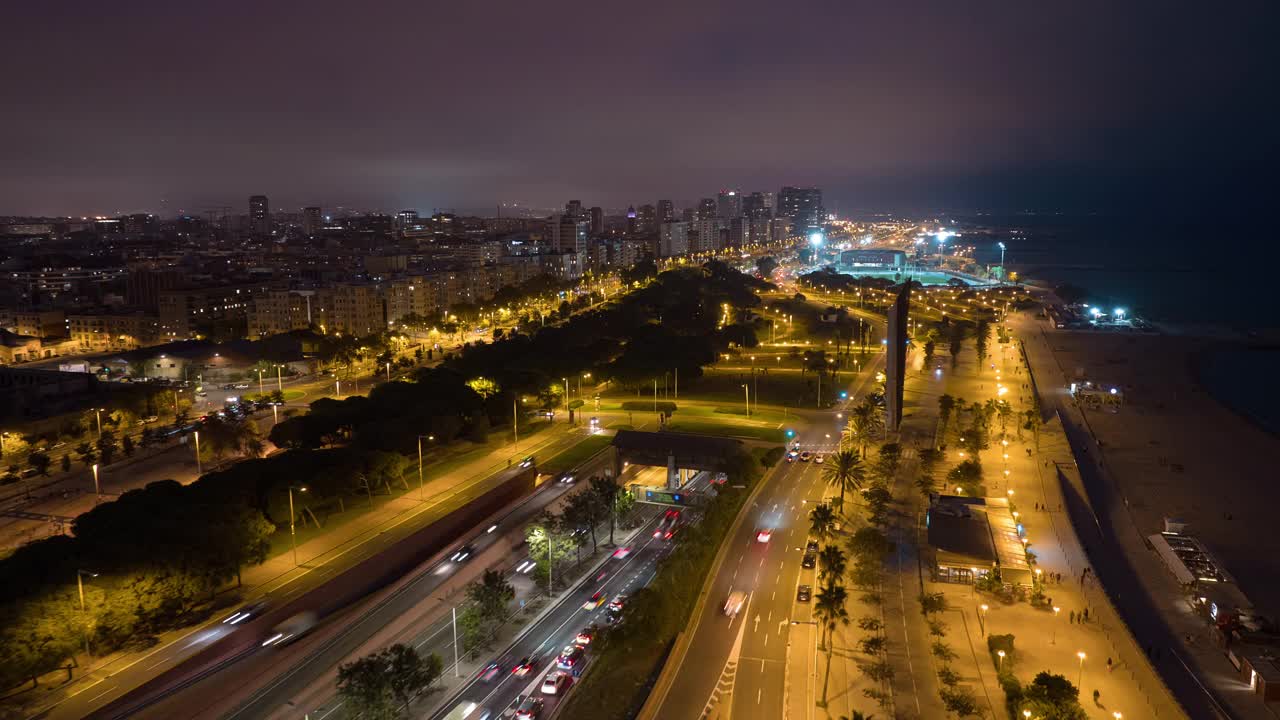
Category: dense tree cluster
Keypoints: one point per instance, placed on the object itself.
(154, 557)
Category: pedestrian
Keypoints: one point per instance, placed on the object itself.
(1096, 695)
(1059, 578)
(1086, 614)
(1110, 667)
(1072, 615)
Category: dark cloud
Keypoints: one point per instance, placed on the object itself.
(115, 106)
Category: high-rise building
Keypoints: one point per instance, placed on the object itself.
(574, 208)
(707, 209)
(567, 233)
(739, 232)
(729, 204)
(770, 201)
(597, 220)
(803, 206)
(704, 235)
(631, 220)
(666, 211)
(406, 219)
(259, 215)
(689, 214)
(754, 207)
(646, 219)
(312, 220)
(673, 239)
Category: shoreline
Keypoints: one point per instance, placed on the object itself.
(1173, 449)
(1199, 369)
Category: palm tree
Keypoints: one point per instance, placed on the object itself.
(946, 404)
(845, 472)
(866, 423)
(831, 563)
(822, 521)
(831, 613)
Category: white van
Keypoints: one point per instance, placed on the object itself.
(733, 605)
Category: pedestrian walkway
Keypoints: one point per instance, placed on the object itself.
(1045, 640)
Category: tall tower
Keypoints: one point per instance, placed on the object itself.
(666, 211)
(259, 215)
(895, 361)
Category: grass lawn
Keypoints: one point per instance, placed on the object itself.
(728, 428)
(575, 455)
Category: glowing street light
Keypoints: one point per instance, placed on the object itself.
(1080, 676)
(293, 538)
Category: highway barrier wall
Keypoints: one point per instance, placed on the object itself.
(347, 587)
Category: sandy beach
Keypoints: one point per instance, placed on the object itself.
(1177, 452)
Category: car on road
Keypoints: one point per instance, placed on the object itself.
(818, 458)
(792, 455)
(764, 534)
(733, 605)
(489, 672)
(595, 422)
(804, 593)
(617, 603)
(525, 665)
(667, 526)
(290, 630)
(806, 456)
(529, 709)
(594, 602)
(570, 657)
(556, 682)
(526, 462)
(246, 613)
(811, 546)
(810, 560)
(462, 554)
(567, 478)
(585, 636)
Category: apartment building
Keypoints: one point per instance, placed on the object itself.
(110, 331)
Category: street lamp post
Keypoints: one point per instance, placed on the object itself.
(293, 538)
(1002, 272)
(199, 471)
(421, 488)
(83, 611)
(982, 618)
(1080, 676)
(1000, 664)
(1054, 639)
(97, 488)
(97, 412)
(279, 379)
(746, 392)
(259, 381)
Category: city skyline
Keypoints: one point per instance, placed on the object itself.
(1088, 106)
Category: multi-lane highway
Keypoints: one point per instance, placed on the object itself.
(265, 680)
(627, 569)
(752, 674)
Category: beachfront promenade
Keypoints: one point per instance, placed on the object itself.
(1043, 641)
(1114, 505)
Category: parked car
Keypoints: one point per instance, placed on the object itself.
(810, 560)
(804, 593)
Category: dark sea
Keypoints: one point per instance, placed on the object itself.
(1199, 275)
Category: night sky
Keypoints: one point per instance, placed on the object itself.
(120, 106)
